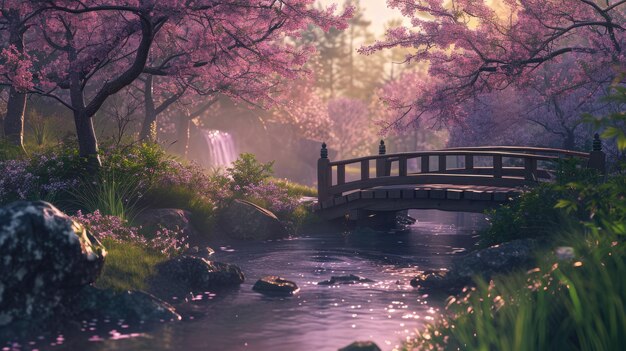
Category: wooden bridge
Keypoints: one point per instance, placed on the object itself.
(470, 179)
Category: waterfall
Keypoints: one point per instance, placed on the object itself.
(221, 149)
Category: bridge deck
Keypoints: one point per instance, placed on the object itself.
(471, 198)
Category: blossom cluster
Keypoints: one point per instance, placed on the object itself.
(167, 241)
(42, 176)
(274, 197)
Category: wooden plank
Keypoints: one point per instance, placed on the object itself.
(469, 162)
(438, 193)
(408, 193)
(421, 193)
(341, 174)
(354, 196)
(499, 196)
(340, 200)
(442, 163)
(402, 166)
(530, 169)
(425, 164)
(486, 196)
(394, 193)
(365, 170)
(327, 204)
(473, 194)
(454, 194)
(497, 166)
(380, 194)
(367, 194)
(381, 165)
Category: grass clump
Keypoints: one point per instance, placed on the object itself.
(561, 305)
(128, 265)
(295, 189)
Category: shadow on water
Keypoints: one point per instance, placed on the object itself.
(319, 317)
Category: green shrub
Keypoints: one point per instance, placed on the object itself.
(246, 170)
(530, 215)
(578, 195)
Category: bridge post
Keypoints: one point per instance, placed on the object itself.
(324, 175)
(381, 163)
(597, 157)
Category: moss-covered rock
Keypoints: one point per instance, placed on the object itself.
(183, 274)
(244, 220)
(45, 260)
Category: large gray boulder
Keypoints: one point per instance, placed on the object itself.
(46, 258)
(183, 274)
(485, 263)
(244, 220)
(151, 220)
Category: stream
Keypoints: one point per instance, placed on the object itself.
(318, 317)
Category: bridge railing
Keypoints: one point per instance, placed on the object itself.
(522, 171)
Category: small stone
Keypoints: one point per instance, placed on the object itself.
(361, 346)
(345, 279)
(197, 274)
(565, 253)
(274, 285)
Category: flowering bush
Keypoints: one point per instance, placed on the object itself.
(169, 242)
(41, 176)
(271, 196)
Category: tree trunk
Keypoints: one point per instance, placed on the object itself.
(182, 134)
(87, 141)
(16, 105)
(148, 127)
(14, 118)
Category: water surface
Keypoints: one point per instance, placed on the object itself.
(318, 317)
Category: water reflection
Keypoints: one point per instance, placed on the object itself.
(319, 317)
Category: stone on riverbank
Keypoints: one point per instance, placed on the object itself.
(46, 258)
(345, 279)
(132, 306)
(485, 263)
(152, 220)
(273, 285)
(183, 274)
(244, 220)
(361, 346)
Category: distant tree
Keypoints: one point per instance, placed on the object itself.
(351, 125)
(100, 47)
(472, 48)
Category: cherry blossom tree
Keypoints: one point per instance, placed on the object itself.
(101, 46)
(476, 47)
(16, 17)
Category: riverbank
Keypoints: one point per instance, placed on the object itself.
(571, 297)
